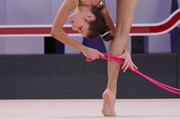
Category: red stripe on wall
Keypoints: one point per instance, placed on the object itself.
(167, 25)
(31, 30)
(156, 29)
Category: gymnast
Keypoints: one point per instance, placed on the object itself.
(91, 19)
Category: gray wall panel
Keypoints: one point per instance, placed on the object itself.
(70, 77)
(178, 65)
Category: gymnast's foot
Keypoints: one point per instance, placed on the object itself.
(108, 103)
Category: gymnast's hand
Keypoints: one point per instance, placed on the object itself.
(127, 61)
(92, 53)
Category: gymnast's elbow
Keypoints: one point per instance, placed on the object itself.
(57, 33)
(53, 32)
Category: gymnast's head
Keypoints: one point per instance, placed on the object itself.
(90, 23)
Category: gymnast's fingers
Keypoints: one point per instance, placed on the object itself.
(126, 67)
(134, 66)
(101, 55)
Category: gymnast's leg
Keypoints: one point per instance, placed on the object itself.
(124, 19)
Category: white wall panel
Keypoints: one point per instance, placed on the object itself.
(152, 11)
(22, 45)
(21, 12)
(160, 44)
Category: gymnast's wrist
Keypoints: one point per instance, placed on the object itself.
(82, 48)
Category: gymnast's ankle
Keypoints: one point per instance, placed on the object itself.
(112, 90)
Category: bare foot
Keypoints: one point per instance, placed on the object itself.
(108, 103)
(106, 100)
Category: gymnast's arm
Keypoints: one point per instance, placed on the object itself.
(58, 32)
(59, 21)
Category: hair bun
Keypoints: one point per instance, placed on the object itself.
(107, 35)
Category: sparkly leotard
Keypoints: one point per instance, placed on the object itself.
(101, 4)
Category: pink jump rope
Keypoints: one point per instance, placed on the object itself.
(166, 87)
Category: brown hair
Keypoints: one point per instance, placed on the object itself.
(98, 26)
